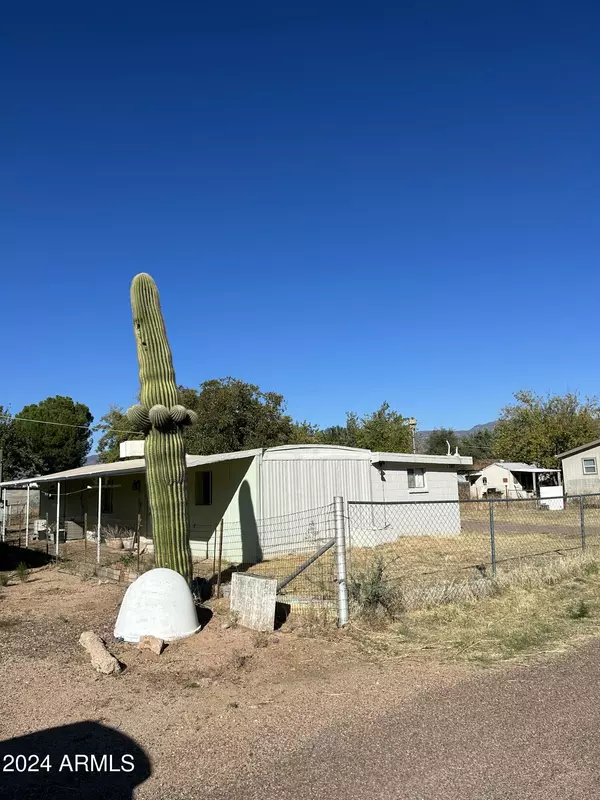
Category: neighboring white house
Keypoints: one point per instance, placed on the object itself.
(580, 468)
(257, 493)
(512, 479)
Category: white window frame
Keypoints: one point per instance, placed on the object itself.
(417, 489)
(585, 471)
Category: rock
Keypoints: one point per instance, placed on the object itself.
(102, 660)
(225, 626)
(151, 643)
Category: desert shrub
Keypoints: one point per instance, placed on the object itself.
(580, 610)
(371, 593)
(22, 572)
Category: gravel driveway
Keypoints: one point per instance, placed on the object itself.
(527, 733)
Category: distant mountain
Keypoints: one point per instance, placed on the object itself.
(423, 435)
(90, 460)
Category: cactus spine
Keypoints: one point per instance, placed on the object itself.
(161, 418)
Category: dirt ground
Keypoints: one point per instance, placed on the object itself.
(308, 709)
(216, 705)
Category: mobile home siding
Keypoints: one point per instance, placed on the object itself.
(575, 481)
(290, 485)
(414, 514)
(235, 501)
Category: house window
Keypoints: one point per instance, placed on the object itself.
(203, 488)
(107, 499)
(416, 479)
(589, 466)
(484, 481)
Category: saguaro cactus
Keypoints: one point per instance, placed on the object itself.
(160, 418)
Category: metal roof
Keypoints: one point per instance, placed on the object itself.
(579, 449)
(520, 466)
(421, 458)
(126, 467)
(302, 451)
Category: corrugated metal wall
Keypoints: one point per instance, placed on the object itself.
(293, 484)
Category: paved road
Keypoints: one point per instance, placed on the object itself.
(521, 733)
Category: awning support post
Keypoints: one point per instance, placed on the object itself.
(99, 519)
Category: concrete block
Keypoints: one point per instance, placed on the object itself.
(253, 600)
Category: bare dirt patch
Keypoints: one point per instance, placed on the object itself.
(222, 701)
(224, 704)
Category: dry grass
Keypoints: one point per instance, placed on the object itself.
(530, 610)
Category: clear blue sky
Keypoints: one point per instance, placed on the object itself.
(346, 203)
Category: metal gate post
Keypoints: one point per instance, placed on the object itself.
(493, 538)
(340, 559)
(582, 520)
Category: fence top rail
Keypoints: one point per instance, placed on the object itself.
(481, 501)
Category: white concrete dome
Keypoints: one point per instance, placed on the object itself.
(159, 603)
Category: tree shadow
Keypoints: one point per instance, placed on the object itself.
(82, 761)
(12, 555)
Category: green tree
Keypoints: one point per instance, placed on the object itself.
(60, 436)
(115, 429)
(234, 415)
(479, 445)
(384, 430)
(437, 441)
(342, 435)
(18, 458)
(536, 428)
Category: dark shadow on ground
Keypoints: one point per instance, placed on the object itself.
(227, 573)
(11, 556)
(282, 612)
(118, 766)
(204, 615)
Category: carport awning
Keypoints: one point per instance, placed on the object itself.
(126, 467)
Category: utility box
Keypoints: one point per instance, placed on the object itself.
(131, 449)
(253, 600)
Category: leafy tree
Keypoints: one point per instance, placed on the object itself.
(18, 458)
(305, 433)
(384, 430)
(479, 445)
(115, 429)
(437, 441)
(64, 441)
(536, 428)
(234, 415)
(343, 435)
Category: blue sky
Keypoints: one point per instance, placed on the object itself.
(346, 203)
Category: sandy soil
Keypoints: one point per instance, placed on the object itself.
(211, 709)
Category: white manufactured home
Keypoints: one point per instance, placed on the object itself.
(259, 494)
(580, 467)
(511, 479)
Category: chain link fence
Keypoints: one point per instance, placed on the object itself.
(437, 550)
(432, 551)
(276, 547)
(280, 547)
